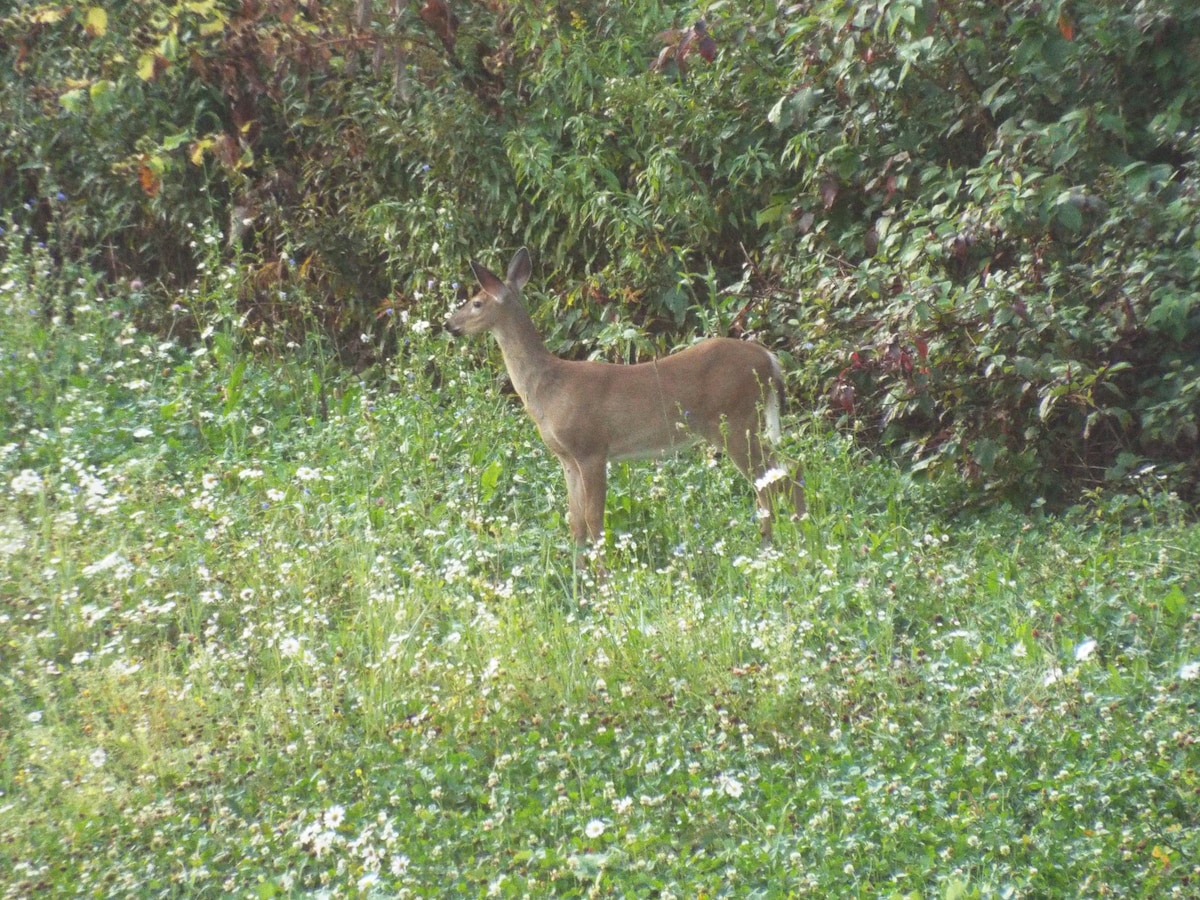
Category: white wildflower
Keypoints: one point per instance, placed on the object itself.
(769, 477)
(334, 816)
(368, 881)
(729, 786)
(124, 667)
(112, 561)
(322, 842)
(27, 482)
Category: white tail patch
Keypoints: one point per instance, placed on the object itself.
(774, 427)
(772, 411)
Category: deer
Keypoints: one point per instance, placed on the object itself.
(722, 390)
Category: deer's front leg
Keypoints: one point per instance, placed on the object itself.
(586, 487)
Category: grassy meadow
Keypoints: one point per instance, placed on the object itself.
(269, 628)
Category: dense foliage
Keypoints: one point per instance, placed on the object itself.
(976, 223)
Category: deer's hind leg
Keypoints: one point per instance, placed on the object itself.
(744, 446)
(771, 481)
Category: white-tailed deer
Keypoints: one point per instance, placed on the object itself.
(724, 391)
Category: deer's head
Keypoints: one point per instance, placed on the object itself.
(495, 298)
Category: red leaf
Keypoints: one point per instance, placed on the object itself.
(679, 44)
(441, 20)
(707, 46)
(1065, 26)
(841, 396)
(685, 45)
(227, 150)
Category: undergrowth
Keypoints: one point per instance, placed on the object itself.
(268, 628)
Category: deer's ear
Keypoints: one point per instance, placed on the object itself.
(488, 280)
(519, 269)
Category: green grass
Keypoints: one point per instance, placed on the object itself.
(267, 629)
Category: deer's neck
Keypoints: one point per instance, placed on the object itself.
(525, 353)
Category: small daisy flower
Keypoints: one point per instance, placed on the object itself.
(769, 477)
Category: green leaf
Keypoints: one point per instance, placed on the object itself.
(1176, 601)
(233, 393)
(986, 452)
(174, 141)
(489, 478)
(1054, 50)
(145, 66)
(1069, 215)
(96, 21)
(770, 215)
(72, 101)
(103, 96)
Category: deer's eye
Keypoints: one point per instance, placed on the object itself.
(478, 304)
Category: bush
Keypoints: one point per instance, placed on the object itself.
(975, 223)
(996, 237)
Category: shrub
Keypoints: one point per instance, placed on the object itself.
(976, 223)
(996, 233)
